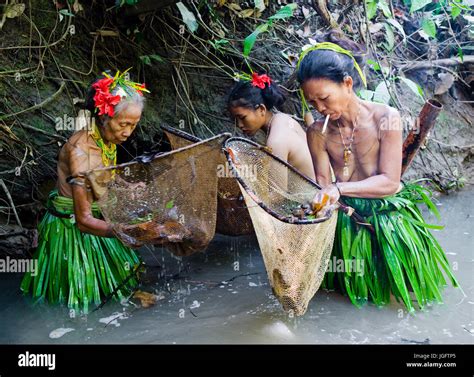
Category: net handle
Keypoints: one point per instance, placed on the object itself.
(182, 134)
(156, 156)
(344, 207)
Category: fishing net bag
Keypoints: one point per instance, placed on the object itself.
(295, 251)
(166, 198)
(233, 218)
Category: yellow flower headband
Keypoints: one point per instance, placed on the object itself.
(333, 47)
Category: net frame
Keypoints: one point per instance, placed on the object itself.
(254, 196)
(233, 218)
(103, 177)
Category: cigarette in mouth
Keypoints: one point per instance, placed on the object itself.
(325, 123)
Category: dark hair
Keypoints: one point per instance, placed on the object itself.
(333, 65)
(244, 94)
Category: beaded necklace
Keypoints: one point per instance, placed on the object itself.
(108, 153)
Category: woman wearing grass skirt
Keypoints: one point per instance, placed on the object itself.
(362, 145)
(79, 259)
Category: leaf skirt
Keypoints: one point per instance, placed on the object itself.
(77, 268)
(401, 258)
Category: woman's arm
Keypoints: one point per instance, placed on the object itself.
(85, 221)
(319, 154)
(79, 160)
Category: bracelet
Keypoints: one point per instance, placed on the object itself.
(335, 184)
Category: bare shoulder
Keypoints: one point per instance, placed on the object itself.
(316, 129)
(382, 111)
(283, 120)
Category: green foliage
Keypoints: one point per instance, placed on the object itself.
(283, 13)
(219, 44)
(147, 59)
(418, 4)
(429, 27)
(428, 8)
(121, 3)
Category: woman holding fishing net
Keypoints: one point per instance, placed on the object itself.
(361, 142)
(79, 258)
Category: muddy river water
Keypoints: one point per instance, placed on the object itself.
(209, 298)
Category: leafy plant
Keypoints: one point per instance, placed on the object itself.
(147, 59)
(432, 12)
(283, 13)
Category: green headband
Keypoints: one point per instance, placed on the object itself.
(333, 47)
(336, 48)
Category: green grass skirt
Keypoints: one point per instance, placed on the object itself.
(402, 258)
(74, 267)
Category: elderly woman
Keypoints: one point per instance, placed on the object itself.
(362, 144)
(79, 258)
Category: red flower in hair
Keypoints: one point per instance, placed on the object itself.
(103, 84)
(260, 80)
(103, 99)
(105, 103)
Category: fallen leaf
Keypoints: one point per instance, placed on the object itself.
(146, 299)
(305, 11)
(307, 30)
(375, 28)
(246, 13)
(444, 83)
(234, 7)
(77, 7)
(14, 10)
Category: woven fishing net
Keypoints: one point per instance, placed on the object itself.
(168, 198)
(296, 251)
(233, 218)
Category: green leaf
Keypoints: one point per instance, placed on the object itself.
(188, 17)
(418, 4)
(383, 5)
(455, 11)
(429, 27)
(415, 88)
(373, 64)
(285, 12)
(251, 39)
(399, 27)
(382, 94)
(390, 43)
(371, 9)
(66, 13)
(461, 54)
(146, 59)
(170, 204)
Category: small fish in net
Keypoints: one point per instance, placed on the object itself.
(168, 199)
(295, 240)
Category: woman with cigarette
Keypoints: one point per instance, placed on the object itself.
(253, 102)
(362, 143)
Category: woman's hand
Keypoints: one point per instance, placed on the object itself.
(331, 191)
